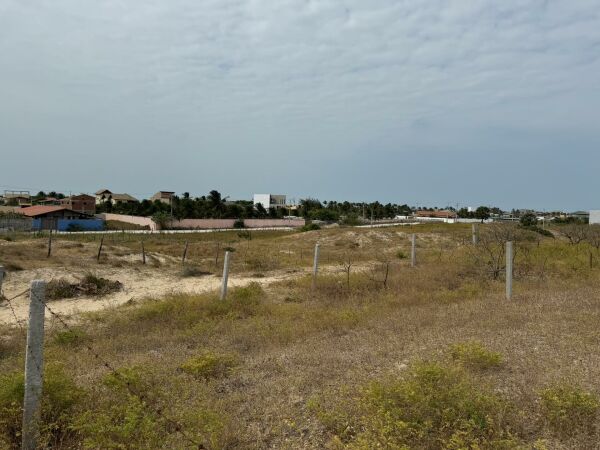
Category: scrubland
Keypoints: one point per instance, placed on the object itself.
(378, 355)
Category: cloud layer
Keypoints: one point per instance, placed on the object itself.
(336, 99)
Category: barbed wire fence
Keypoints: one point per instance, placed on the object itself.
(35, 355)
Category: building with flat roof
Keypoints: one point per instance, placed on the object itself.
(269, 201)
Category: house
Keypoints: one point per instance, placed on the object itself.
(17, 198)
(269, 201)
(81, 203)
(104, 195)
(60, 218)
(49, 201)
(163, 196)
(580, 215)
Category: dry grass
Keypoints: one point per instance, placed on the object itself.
(288, 367)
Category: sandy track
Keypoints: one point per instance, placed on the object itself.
(138, 283)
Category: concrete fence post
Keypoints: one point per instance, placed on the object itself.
(509, 269)
(413, 250)
(34, 367)
(316, 266)
(225, 276)
(475, 233)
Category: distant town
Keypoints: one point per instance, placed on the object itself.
(106, 209)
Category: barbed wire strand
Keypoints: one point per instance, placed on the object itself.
(158, 411)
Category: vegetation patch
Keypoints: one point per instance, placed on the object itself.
(434, 406)
(71, 337)
(90, 285)
(570, 410)
(193, 271)
(209, 365)
(59, 400)
(474, 355)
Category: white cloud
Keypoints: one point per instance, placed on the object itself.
(321, 77)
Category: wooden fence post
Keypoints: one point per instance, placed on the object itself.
(509, 270)
(413, 250)
(185, 249)
(49, 244)
(1, 278)
(315, 266)
(143, 254)
(100, 247)
(225, 278)
(34, 367)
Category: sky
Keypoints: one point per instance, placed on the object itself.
(429, 103)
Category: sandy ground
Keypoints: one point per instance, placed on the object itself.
(138, 283)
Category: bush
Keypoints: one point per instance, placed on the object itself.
(310, 227)
(193, 271)
(239, 223)
(89, 285)
(70, 337)
(570, 410)
(121, 420)
(434, 406)
(59, 399)
(401, 255)
(209, 365)
(475, 356)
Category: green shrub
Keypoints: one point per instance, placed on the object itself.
(434, 406)
(310, 227)
(401, 254)
(239, 223)
(475, 356)
(59, 399)
(209, 365)
(570, 410)
(70, 337)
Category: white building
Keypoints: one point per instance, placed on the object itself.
(595, 216)
(269, 201)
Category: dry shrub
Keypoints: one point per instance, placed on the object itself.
(474, 355)
(433, 406)
(90, 284)
(193, 271)
(570, 410)
(209, 365)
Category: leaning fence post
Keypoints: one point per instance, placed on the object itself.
(100, 247)
(315, 266)
(34, 363)
(509, 270)
(185, 249)
(475, 233)
(413, 250)
(225, 276)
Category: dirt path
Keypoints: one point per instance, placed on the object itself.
(138, 283)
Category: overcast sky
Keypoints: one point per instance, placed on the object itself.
(429, 102)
